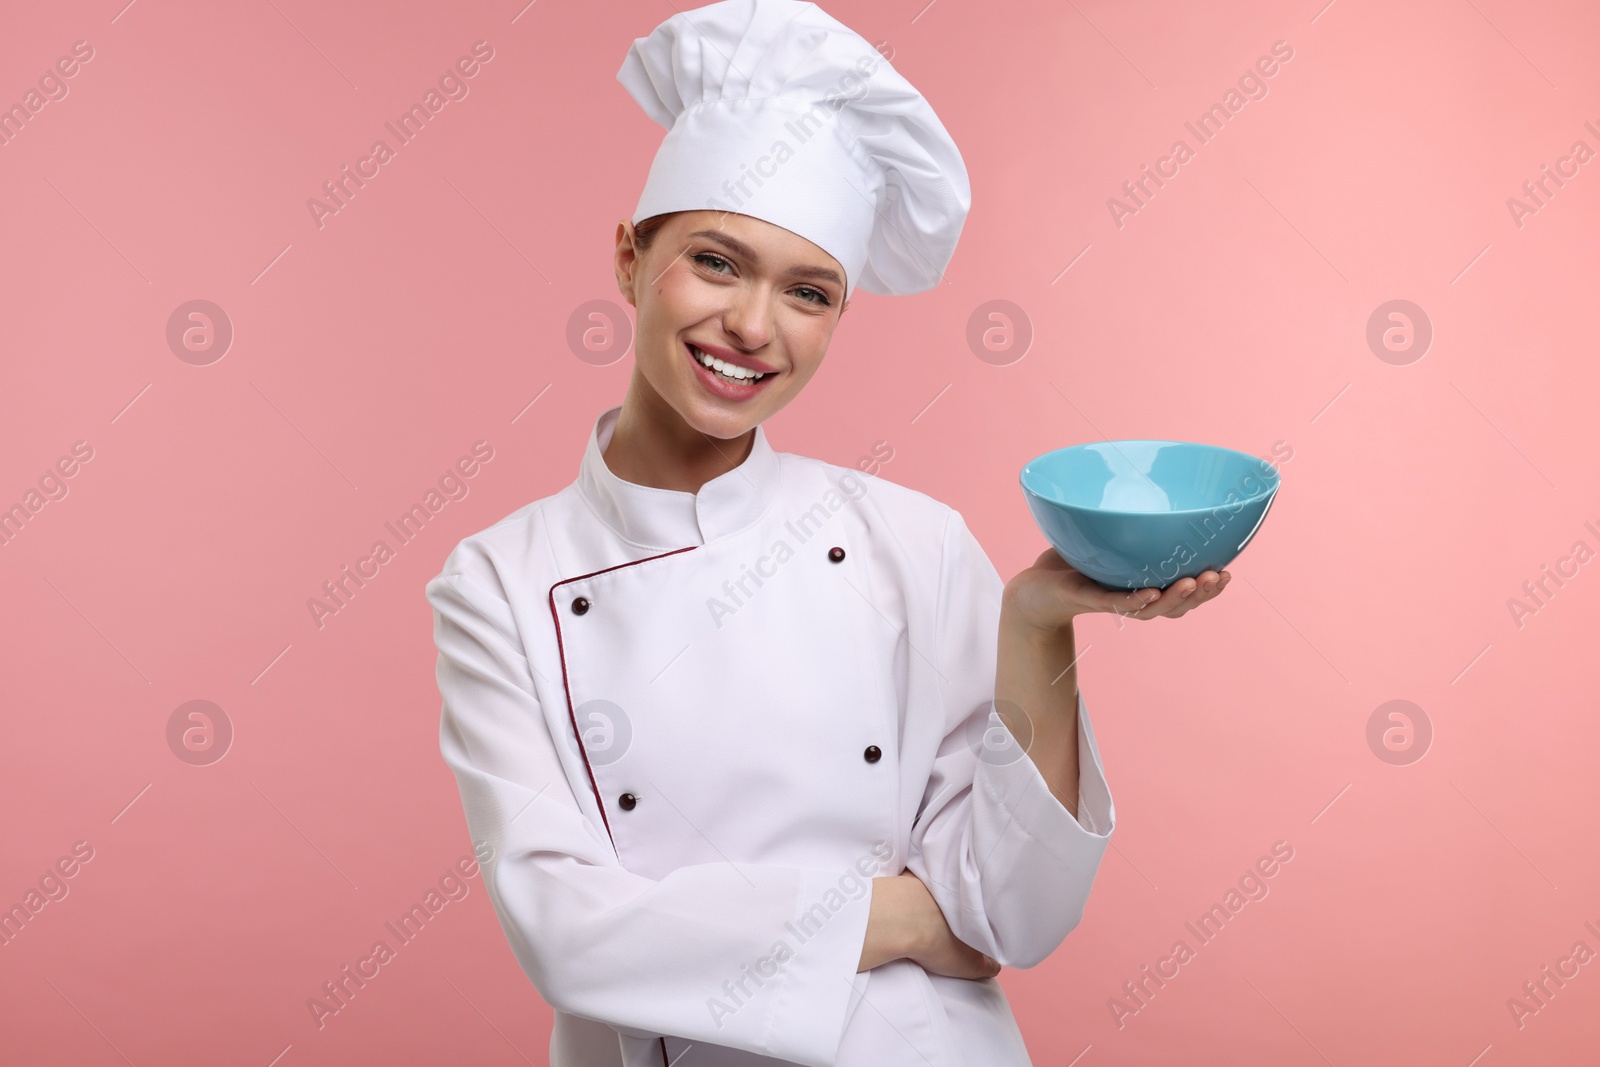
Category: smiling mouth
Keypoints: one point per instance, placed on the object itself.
(728, 372)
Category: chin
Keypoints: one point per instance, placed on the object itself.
(721, 424)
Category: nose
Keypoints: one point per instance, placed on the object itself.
(749, 316)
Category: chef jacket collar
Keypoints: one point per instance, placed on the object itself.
(670, 518)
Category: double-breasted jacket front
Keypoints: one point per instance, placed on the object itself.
(694, 726)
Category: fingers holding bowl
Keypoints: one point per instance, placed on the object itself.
(1172, 602)
(1174, 599)
(1131, 602)
(1209, 586)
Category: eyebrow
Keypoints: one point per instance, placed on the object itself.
(738, 247)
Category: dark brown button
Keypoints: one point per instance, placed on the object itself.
(627, 801)
(580, 605)
(873, 754)
(836, 553)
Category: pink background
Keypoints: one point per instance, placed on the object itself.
(427, 314)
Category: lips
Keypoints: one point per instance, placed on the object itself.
(726, 388)
(738, 359)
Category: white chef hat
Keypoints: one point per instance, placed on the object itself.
(776, 110)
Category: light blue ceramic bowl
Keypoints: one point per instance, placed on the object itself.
(1137, 514)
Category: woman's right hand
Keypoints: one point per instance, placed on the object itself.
(904, 922)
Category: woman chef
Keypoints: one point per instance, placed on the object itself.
(727, 715)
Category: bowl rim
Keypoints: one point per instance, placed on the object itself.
(1265, 494)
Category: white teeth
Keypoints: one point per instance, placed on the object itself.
(724, 368)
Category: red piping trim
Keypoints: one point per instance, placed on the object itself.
(572, 715)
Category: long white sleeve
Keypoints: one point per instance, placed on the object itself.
(643, 955)
(1008, 864)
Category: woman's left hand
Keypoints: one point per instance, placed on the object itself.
(1047, 595)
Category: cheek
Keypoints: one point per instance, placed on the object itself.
(808, 346)
(676, 301)
(661, 316)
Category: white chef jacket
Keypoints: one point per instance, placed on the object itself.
(694, 725)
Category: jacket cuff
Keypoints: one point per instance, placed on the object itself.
(1018, 787)
(818, 993)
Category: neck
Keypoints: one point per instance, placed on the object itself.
(652, 445)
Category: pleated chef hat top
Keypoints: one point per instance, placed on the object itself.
(776, 110)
